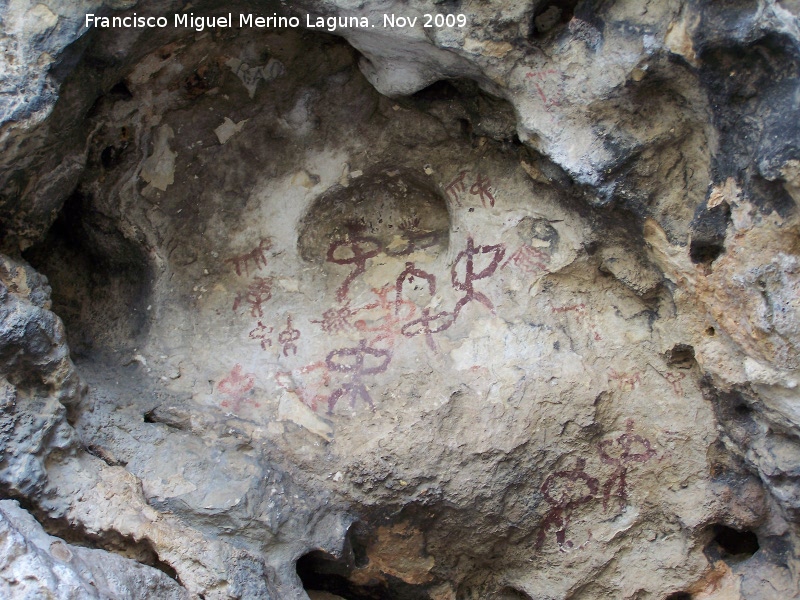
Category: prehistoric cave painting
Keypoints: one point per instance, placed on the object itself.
(356, 363)
(674, 379)
(237, 387)
(565, 491)
(355, 249)
(423, 325)
(497, 251)
(626, 382)
(531, 260)
(455, 188)
(620, 452)
(480, 186)
(579, 311)
(257, 293)
(549, 85)
(539, 242)
(415, 238)
(384, 317)
(261, 333)
(411, 271)
(288, 337)
(257, 257)
(337, 320)
(316, 379)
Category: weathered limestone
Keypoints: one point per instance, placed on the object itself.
(343, 329)
(37, 565)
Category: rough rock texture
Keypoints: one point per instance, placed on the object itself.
(37, 565)
(500, 311)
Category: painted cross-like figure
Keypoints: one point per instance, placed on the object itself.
(457, 187)
(481, 188)
(674, 379)
(627, 448)
(544, 78)
(259, 291)
(470, 277)
(625, 381)
(353, 361)
(384, 317)
(357, 251)
(288, 337)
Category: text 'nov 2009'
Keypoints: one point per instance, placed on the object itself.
(249, 20)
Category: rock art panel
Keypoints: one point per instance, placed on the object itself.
(521, 325)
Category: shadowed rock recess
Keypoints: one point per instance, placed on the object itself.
(505, 307)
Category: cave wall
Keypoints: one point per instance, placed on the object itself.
(499, 311)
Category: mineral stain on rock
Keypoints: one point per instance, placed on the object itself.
(503, 307)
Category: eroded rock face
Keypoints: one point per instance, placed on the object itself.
(342, 328)
(37, 565)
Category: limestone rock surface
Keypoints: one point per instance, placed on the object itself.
(500, 309)
(37, 565)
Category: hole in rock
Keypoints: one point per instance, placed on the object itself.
(439, 90)
(550, 15)
(729, 543)
(99, 277)
(679, 596)
(510, 593)
(386, 212)
(120, 91)
(320, 571)
(383, 217)
(708, 233)
(705, 253)
(681, 356)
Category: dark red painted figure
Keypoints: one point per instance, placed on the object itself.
(359, 249)
(481, 188)
(564, 499)
(466, 286)
(256, 295)
(456, 187)
(353, 362)
(410, 272)
(257, 256)
(627, 448)
(262, 333)
(423, 325)
(288, 337)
